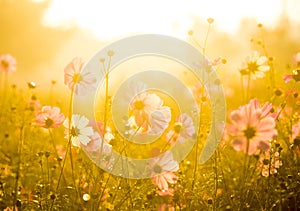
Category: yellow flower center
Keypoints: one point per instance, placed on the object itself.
(74, 131)
(77, 78)
(177, 127)
(139, 105)
(252, 67)
(4, 63)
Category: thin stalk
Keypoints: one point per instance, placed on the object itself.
(55, 152)
(246, 161)
(248, 87)
(20, 146)
(68, 146)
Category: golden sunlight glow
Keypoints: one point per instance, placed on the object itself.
(112, 18)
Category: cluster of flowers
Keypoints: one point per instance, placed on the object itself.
(253, 127)
(148, 116)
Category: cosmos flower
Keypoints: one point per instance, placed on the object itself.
(199, 93)
(78, 81)
(266, 108)
(149, 113)
(295, 75)
(296, 59)
(251, 123)
(296, 130)
(169, 192)
(79, 130)
(255, 66)
(96, 143)
(166, 207)
(7, 63)
(50, 117)
(183, 129)
(10, 209)
(162, 170)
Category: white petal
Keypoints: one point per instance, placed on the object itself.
(84, 139)
(75, 141)
(264, 68)
(83, 122)
(261, 60)
(87, 131)
(75, 119)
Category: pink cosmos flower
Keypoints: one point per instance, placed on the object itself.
(296, 130)
(253, 124)
(183, 129)
(162, 170)
(295, 75)
(166, 207)
(199, 93)
(7, 63)
(34, 105)
(96, 144)
(99, 151)
(61, 152)
(149, 113)
(296, 59)
(169, 192)
(265, 108)
(10, 209)
(99, 126)
(77, 81)
(79, 130)
(50, 117)
(255, 66)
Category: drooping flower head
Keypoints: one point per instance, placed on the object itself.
(78, 130)
(7, 63)
(162, 170)
(50, 117)
(77, 81)
(255, 66)
(251, 123)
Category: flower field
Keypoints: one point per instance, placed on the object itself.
(54, 158)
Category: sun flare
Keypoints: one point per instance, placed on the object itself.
(108, 19)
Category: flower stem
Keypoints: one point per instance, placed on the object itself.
(56, 153)
(68, 148)
(246, 162)
(20, 146)
(248, 87)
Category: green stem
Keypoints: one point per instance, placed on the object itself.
(20, 146)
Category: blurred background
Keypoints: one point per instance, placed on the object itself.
(44, 35)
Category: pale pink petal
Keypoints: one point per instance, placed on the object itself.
(171, 166)
(159, 120)
(287, 78)
(239, 144)
(170, 177)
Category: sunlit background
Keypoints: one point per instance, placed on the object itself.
(44, 35)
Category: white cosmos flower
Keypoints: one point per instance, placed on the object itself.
(255, 65)
(79, 130)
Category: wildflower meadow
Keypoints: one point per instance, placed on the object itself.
(141, 147)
